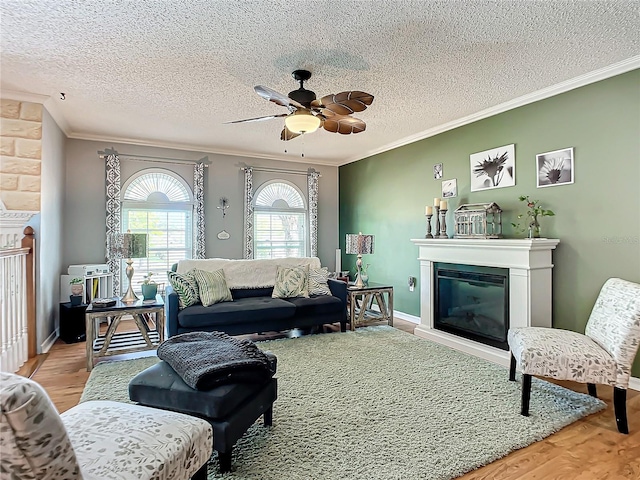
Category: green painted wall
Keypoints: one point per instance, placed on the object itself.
(597, 218)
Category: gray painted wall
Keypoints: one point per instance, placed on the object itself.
(49, 233)
(84, 203)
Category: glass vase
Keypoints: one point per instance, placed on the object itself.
(534, 231)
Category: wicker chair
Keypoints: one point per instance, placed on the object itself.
(603, 355)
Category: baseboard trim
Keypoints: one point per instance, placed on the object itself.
(400, 315)
(634, 382)
(50, 340)
(407, 317)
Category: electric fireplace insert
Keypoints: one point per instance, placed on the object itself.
(472, 302)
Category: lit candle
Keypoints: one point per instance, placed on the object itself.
(443, 205)
(436, 202)
(428, 210)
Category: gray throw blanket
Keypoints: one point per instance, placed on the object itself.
(207, 359)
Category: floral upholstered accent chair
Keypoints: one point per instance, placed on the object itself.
(604, 354)
(33, 440)
(96, 440)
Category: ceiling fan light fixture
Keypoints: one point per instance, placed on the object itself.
(302, 122)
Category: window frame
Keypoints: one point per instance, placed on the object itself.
(129, 205)
(304, 210)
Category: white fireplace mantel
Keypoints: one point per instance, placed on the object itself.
(529, 263)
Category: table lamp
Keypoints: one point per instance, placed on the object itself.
(361, 245)
(128, 245)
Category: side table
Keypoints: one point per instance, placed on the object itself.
(116, 343)
(72, 322)
(361, 299)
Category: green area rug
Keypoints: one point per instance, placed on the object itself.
(379, 403)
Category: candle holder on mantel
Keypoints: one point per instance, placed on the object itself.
(428, 235)
(436, 226)
(443, 223)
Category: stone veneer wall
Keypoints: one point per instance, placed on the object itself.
(20, 155)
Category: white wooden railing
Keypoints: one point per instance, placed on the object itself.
(17, 310)
(9, 239)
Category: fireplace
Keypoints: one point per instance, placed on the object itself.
(473, 302)
(527, 291)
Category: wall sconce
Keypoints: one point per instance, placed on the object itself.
(224, 204)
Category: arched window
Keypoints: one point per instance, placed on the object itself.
(159, 203)
(280, 221)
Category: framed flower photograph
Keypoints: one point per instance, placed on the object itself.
(449, 188)
(555, 168)
(495, 168)
(437, 171)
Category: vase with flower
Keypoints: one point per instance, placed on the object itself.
(535, 210)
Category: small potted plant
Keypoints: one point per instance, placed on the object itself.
(364, 274)
(149, 287)
(77, 287)
(533, 223)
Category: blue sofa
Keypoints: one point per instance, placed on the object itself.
(254, 311)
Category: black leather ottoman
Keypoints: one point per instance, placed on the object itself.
(230, 409)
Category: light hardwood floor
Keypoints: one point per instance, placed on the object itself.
(590, 448)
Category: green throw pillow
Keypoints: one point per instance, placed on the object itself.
(318, 281)
(212, 287)
(291, 282)
(186, 287)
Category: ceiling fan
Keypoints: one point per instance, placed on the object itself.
(306, 113)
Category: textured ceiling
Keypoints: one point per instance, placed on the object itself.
(170, 73)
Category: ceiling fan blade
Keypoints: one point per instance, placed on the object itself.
(258, 119)
(276, 97)
(287, 134)
(344, 124)
(344, 103)
(323, 113)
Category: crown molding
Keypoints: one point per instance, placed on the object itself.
(619, 68)
(577, 82)
(197, 148)
(23, 96)
(54, 110)
(12, 224)
(15, 218)
(46, 101)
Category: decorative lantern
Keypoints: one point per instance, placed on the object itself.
(478, 220)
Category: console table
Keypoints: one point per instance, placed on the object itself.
(149, 335)
(360, 301)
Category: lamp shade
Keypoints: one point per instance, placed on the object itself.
(359, 244)
(302, 121)
(127, 245)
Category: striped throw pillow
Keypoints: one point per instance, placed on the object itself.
(318, 284)
(212, 287)
(291, 282)
(186, 287)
